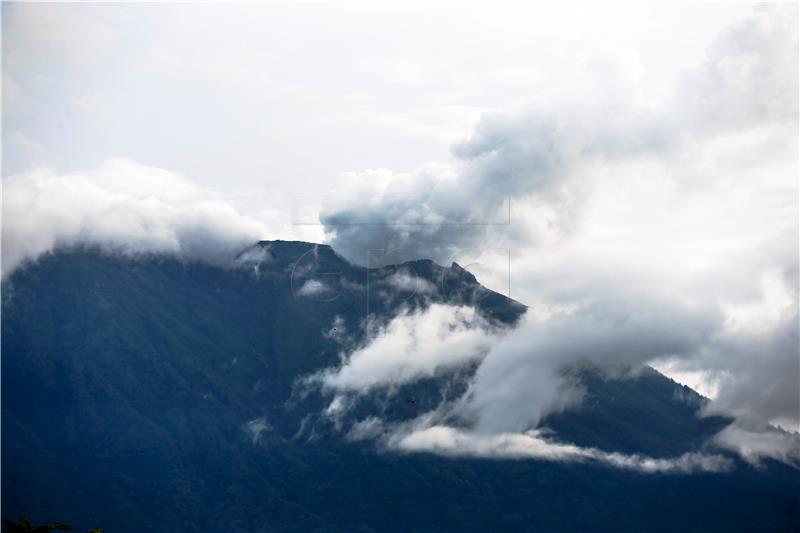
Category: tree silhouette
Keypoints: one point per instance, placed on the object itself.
(25, 526)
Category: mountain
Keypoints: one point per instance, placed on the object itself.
(155, 394)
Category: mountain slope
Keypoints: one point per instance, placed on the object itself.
(645, 414)
(153, 394)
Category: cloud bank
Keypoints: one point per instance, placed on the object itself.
(121, 206)
(413, 346)
(755, 444)
(519, 379)
(522, 375)
(522, 378)
(740, 100)
(644, 228)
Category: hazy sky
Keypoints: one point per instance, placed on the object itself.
(649, 152)
(279, 108)
(274, 100)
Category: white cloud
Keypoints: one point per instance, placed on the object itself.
(728, 132)
(648, 227)
(313, 287)
(455, 442)
(757, 444)
(256, 254)
(413, 346)
(370, 428)
(521, 373)
(522, 378)
(404, 281)
(524, 374)
(122, 206)
(633, 193)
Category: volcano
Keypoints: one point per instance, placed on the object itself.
(149, 393)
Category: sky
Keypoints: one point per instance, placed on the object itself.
(628, 170)
(282, 99)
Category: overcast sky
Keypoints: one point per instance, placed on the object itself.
(648, 152)
(279, 108)
(278, 99)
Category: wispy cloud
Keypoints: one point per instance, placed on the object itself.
(455, 442)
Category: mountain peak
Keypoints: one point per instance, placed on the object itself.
(171, 385)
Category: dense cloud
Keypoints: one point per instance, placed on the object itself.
(521, 380)
(644, 228)
(741, 96)
(737, 314)
(414, 346)
(754, 444)
(748, 78)
(524, 374)
(737, 103)
(121, 206)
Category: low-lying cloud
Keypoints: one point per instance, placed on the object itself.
(413, 346)
(454, 442)
(643, 228)
(404, 281)
(522, 378)
(121, 206)
(314, 288)
(522, 375)
(755, 444)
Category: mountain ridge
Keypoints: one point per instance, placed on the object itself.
(153, 394)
